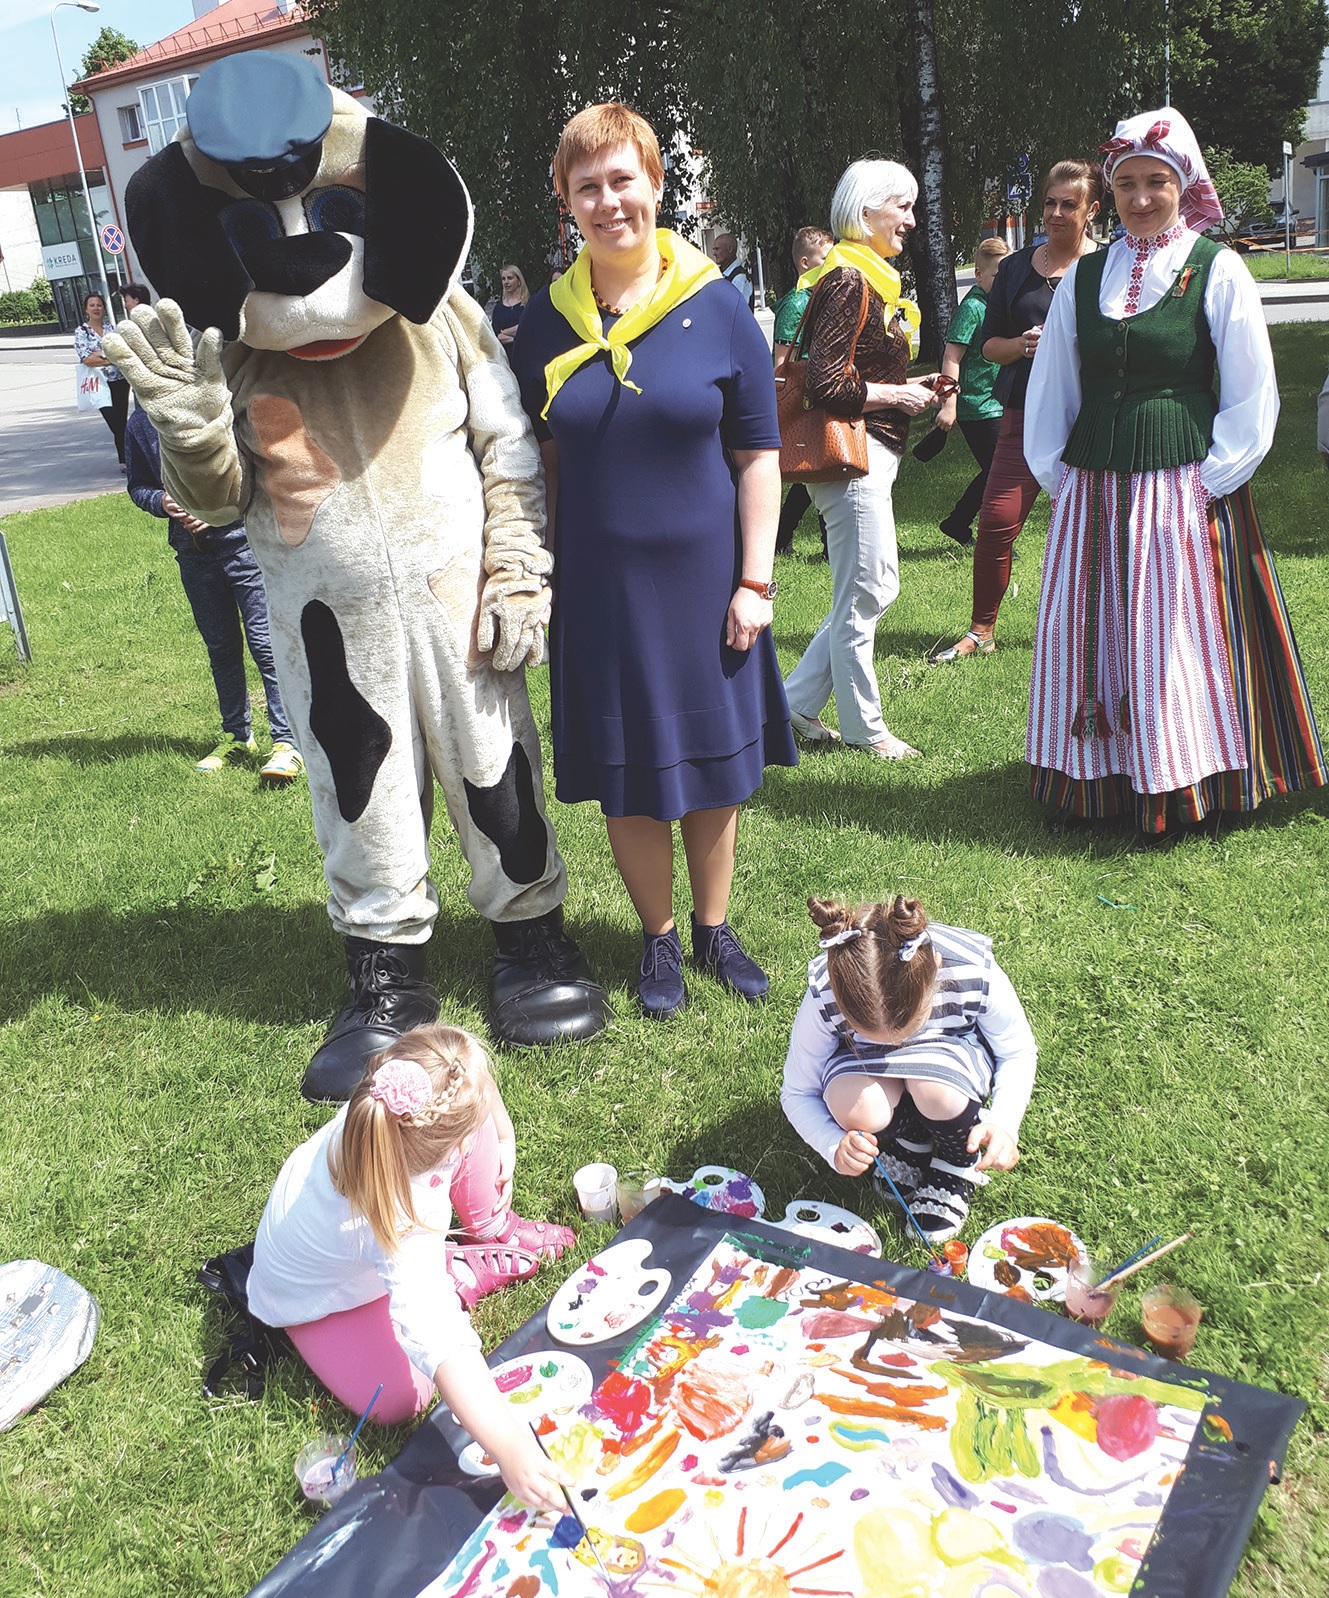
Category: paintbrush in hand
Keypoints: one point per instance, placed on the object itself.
(576, 1515)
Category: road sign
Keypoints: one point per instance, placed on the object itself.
(112, 239)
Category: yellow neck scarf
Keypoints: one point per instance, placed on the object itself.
(880, 274)
(686, 270)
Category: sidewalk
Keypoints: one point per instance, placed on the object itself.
(49, 453)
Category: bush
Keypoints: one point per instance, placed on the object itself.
(33, 304)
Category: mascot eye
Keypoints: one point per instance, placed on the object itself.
(250, 222)
(336, 210)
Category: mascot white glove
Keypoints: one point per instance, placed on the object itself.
(514, 603)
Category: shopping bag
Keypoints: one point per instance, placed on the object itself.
(94, 392)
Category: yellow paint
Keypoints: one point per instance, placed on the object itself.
(655, 1511)
(822, 1359)
(1115, 1573)
(655, 1457)
(894, 1552)
(749, 1578)
(960, 1536)
(714, 1498)
(577, 1450)
(1076, 1410)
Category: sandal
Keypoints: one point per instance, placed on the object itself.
(946, 657)
(489, 1266)
(812, 729)
(535, 1237)
(889, 748)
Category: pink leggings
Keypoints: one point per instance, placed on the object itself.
(353, 1350)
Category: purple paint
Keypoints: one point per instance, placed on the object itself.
(1064, 1584)
(954, 1491)
(1052, 1467)
(858, 1492)
(1051, 1539)
(1009, 1508)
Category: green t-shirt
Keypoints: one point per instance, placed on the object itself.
(789, 313)
(977, 375)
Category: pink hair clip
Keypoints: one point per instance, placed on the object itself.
(403, 1087)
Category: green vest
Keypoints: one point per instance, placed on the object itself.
(1147, 381)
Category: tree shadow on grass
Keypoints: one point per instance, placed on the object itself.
(84, 751)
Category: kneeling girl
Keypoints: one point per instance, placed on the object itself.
(352, 1256)
(905, 1029)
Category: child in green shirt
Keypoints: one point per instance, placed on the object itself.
(810, 248)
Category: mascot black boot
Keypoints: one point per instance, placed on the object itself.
(541, 990)
(389, 996)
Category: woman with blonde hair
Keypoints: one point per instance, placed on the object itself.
(507, 309)
(352, 1255)
(857, 336)
(649, 385)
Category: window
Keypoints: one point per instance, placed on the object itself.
(164, 110)
(131, 125)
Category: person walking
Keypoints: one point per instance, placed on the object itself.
(88, 349)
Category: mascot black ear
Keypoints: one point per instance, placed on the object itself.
(181, 245)
(417, 221)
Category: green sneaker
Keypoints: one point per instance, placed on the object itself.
(231, 751)
(283, 765)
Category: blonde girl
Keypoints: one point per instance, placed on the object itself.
(353, 1259)
(905, 1029)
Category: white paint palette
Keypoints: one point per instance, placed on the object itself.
(1025, 1258)
(536, 1385)
(721, 1187)
(607, 1296)
(828, 1223)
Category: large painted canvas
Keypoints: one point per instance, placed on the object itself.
(781, 1430)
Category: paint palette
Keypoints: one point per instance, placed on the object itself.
(607, 1296)
(536, 1385)
(828, 1223)
(1025, 1258)
(720, 1187)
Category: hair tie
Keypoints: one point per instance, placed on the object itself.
(403, 1087)
(910, 947)
(845, 935)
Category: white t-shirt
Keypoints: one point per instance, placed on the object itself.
(315, 1255)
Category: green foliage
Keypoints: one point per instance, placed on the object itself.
(32, 304)
(1243, 189)
(108, 49)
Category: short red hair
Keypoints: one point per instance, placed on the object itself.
(603, 127)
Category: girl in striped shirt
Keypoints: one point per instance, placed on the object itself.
(906, 1029)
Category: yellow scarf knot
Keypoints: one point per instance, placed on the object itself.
(881, 275)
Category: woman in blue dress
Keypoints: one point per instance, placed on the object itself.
(651, 391)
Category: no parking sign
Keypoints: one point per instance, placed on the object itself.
(112, 239)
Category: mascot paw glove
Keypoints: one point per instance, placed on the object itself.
(183, 390)
(513, 610)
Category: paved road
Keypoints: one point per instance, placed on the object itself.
(49, 454)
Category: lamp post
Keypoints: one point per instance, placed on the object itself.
(81, 5)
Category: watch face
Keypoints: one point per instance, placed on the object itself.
(772, 588)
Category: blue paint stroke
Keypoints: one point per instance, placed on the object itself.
(567, 1534)
(850, 1436)
(954, 1491)
(1054, 1470)
(822, 1476)
(1051, 1539)
(540, 1561)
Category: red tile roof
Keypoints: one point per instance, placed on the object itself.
(218, 32)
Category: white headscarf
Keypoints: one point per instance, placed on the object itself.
(1167, 136)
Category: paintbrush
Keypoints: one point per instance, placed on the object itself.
(909, 1214)
(1131, 1258)
(1122, 1272)
(576, 1515)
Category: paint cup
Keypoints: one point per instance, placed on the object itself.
(1171, 1319)
(313, 1470)
(1086, 1302)
(637, 1189)
(595, 1191)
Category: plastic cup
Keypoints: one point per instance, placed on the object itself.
(1171, 1319)
(313, 1470)
(595, 1191)
(1086, 1302)
(637, 1189)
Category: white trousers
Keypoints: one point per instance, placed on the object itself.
(865, 578)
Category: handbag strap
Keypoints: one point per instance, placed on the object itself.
(804, 331)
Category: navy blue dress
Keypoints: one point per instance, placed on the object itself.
(653, 714)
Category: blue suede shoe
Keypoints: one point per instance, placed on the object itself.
(660, 986)
(717, 950)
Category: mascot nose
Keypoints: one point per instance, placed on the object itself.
(297, 265)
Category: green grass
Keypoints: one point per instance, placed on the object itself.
(166, 966)
(1271, 266)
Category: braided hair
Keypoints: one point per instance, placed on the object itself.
(879, 961)
(386, 1140)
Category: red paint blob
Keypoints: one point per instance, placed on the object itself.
(624, 1400)
(1127, 1425)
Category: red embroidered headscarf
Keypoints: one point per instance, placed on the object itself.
(1166, 135)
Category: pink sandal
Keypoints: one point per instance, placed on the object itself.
(535, 1237)
(514, 1254)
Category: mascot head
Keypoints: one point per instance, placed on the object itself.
(289, 218)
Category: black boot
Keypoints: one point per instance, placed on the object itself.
(541, 989)
(389, 996)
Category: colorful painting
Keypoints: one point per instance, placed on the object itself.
(779, 1430)
(608, 1296)
(1026, 1258)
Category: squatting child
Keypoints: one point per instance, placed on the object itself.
(905, 1029)
(353, 1259)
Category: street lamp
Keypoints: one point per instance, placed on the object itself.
(82, 5)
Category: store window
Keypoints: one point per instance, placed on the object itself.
(70, 258)
(163, 107)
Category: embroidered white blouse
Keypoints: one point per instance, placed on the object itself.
(314, 1255)
(1248, 389)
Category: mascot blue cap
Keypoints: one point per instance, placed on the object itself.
(263, 117)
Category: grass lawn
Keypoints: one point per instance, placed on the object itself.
(166, 968)
(1271, 266)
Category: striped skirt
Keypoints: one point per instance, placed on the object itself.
(1165, 670)
(957, 1060)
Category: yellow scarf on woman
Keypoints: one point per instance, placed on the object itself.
(686, 270)
(881, 275)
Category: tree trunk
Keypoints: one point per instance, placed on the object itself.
(930, 247)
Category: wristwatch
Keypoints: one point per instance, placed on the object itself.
(766, 590)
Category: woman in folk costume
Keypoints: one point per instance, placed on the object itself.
(649, 385)
(1166, 678)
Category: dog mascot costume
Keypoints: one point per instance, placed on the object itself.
(363, 421)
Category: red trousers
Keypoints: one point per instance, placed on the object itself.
(1007, 500)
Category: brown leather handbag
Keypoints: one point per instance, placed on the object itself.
(817, 446)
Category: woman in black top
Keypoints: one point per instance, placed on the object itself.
(506, 311)
(1016, 310)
